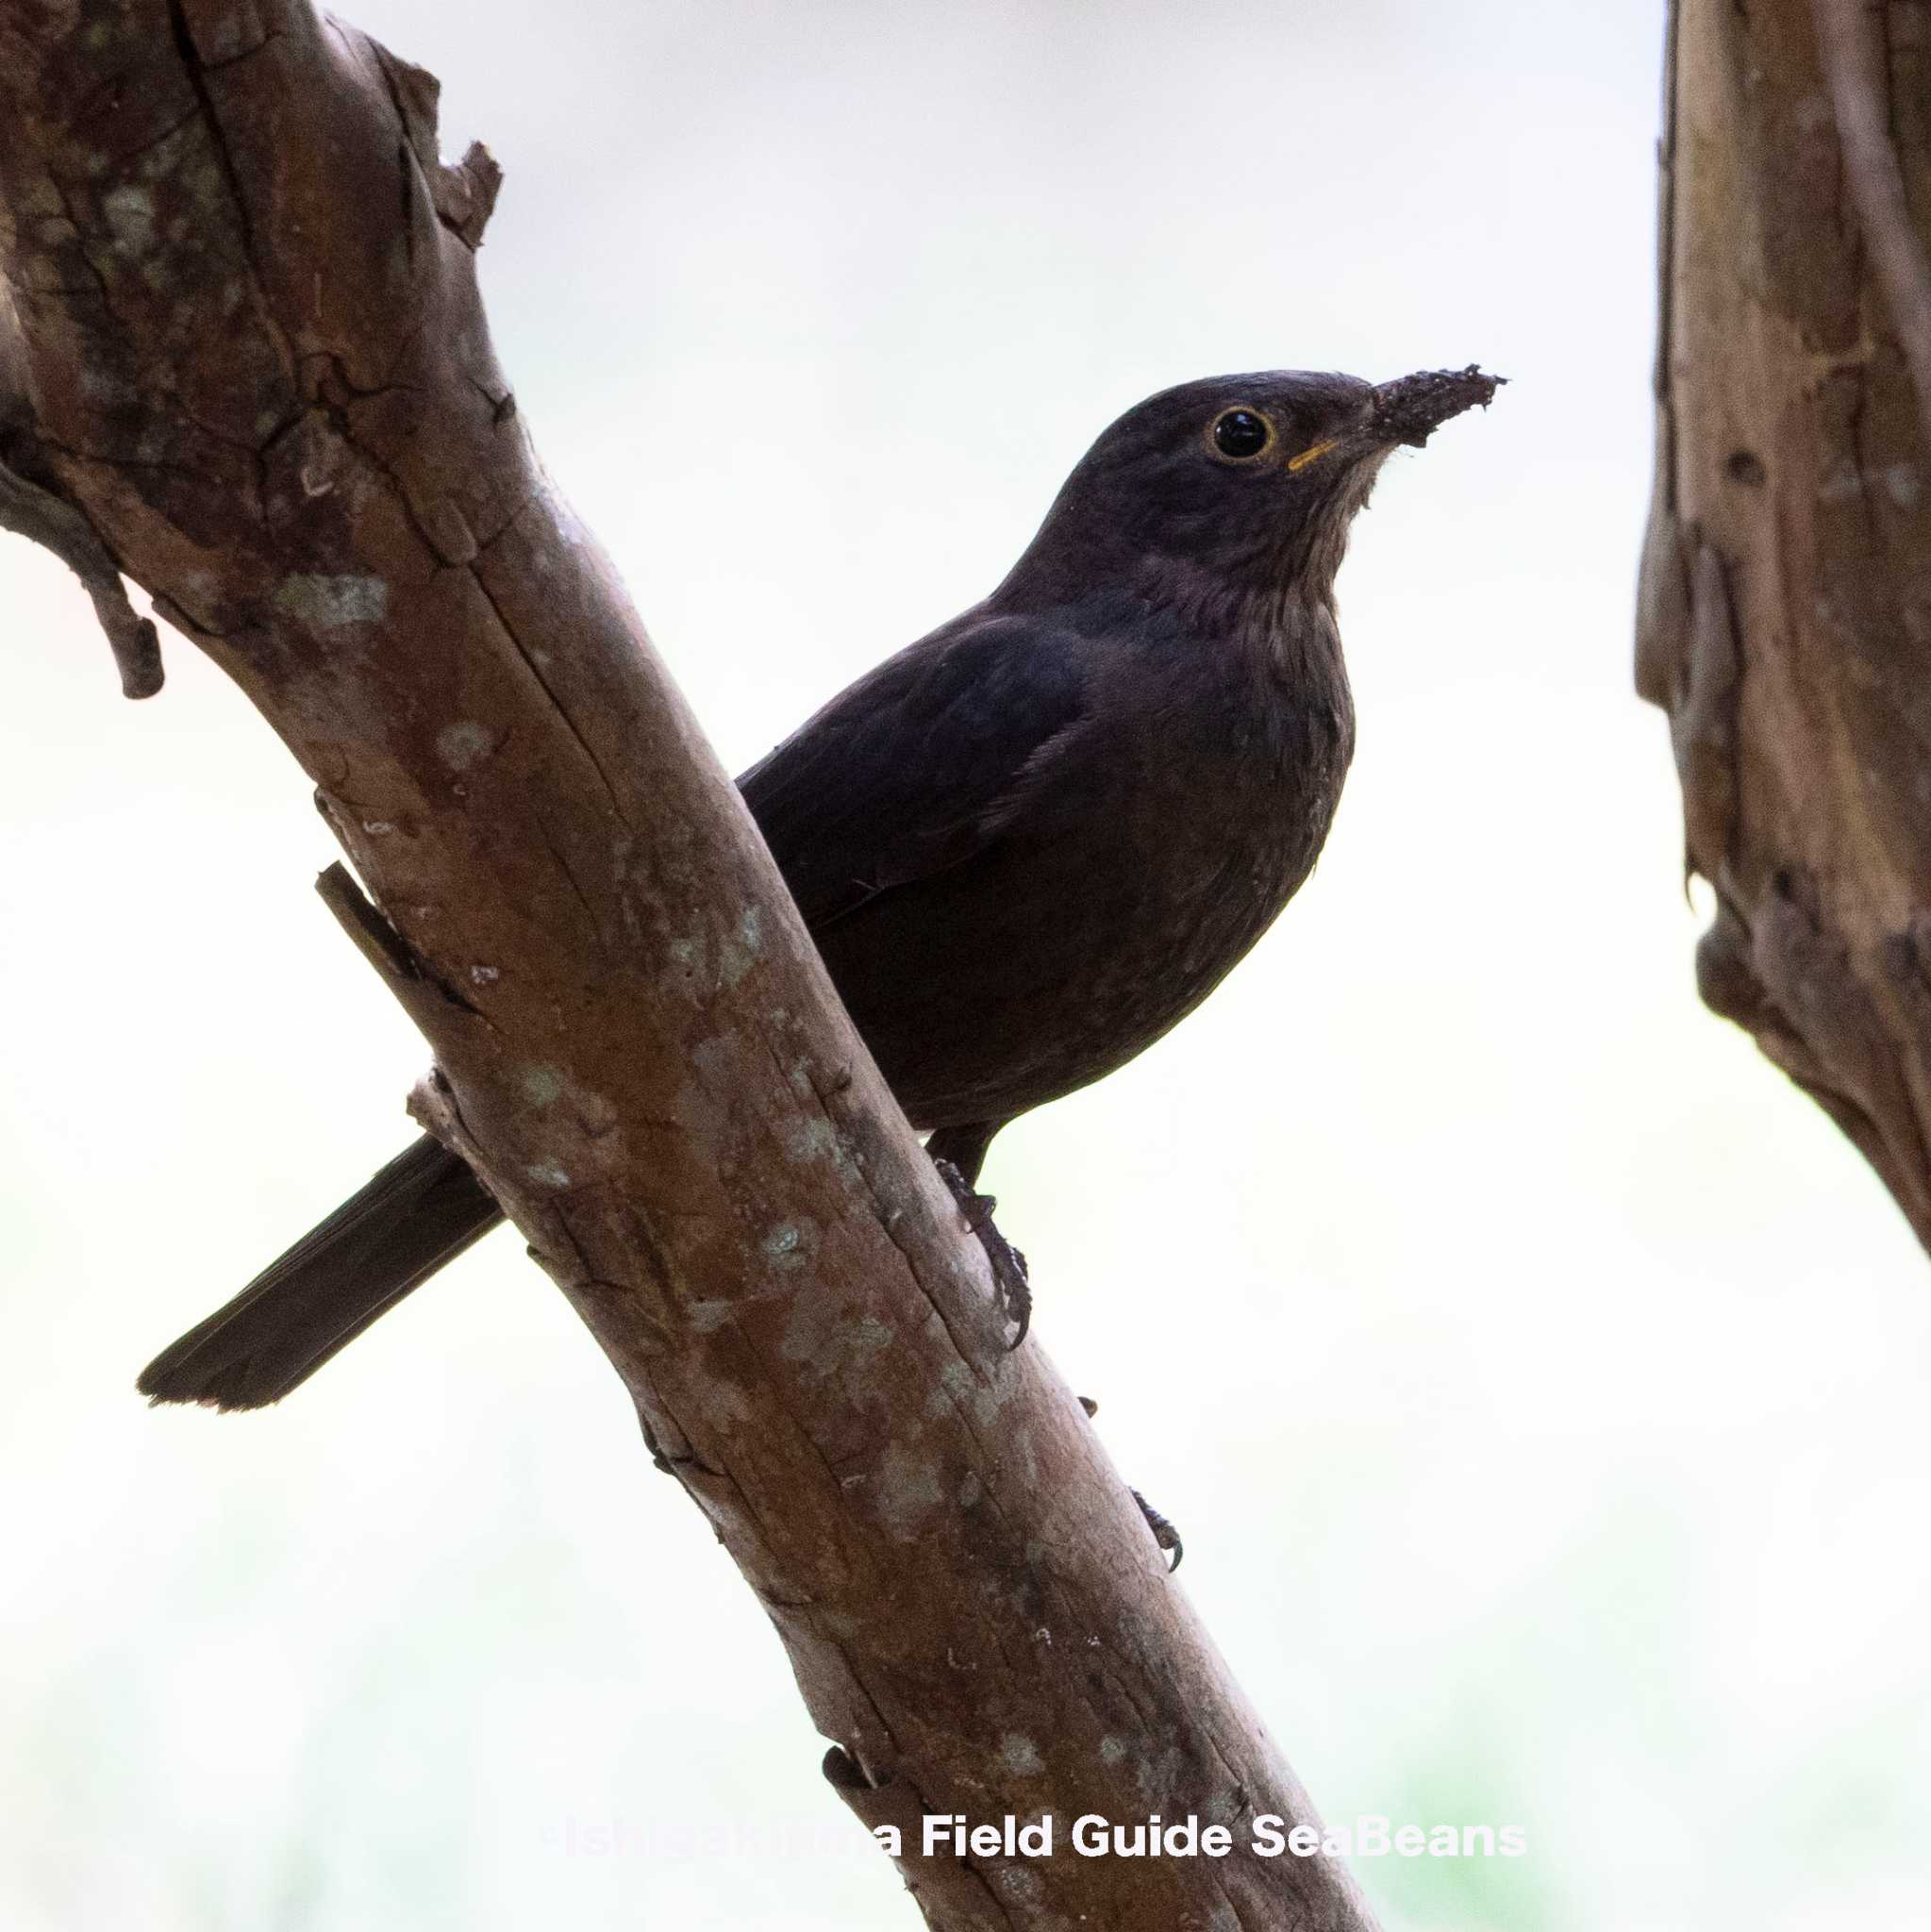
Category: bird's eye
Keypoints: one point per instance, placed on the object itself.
(1242, 433)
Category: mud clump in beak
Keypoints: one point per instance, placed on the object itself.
(1411, 408)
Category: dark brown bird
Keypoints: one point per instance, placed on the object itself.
(1028, 845)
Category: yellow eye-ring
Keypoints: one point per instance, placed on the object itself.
(1242, 434)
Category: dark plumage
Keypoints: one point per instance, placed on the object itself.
(1028, 843)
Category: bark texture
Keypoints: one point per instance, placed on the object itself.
(1785, 613)
(251, 352)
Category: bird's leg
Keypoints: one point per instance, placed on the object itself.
(1164, 1533)
(1008, 1264)
(958, 1153)
(963, 1149)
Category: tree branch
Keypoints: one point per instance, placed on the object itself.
(1784, 618)
(1851, 46)
(260, 369)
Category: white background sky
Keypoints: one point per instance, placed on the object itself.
(1537, 1378)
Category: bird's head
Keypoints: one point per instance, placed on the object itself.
(1234, 487)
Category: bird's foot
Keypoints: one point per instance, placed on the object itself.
(1164, 1533)
(1008, 1265)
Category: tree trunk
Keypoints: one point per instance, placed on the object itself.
(251, 352)
(1785, 613)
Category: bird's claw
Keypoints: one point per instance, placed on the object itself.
(1009, 1276)
(1164, 1533)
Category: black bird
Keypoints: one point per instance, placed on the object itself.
(1028, 845)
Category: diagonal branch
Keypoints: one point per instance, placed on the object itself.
(262, 369)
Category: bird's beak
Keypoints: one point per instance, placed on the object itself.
(1408, 409)
(1411, 408)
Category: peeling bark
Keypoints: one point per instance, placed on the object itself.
(1785, 609)
(251, 353)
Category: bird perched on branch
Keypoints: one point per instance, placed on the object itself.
(1028, 843)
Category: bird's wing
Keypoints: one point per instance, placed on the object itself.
(917, 765)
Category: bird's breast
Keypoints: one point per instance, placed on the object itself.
(1133, 880)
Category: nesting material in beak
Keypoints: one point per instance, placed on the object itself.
(1411, 408)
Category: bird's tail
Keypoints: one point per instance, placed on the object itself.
(417, 1214)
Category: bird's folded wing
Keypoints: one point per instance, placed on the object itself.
(917, 766)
